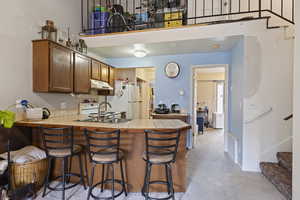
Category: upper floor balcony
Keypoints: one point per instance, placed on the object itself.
(106, 17)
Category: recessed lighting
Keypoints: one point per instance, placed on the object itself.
(139, 53)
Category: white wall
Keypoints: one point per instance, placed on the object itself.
(296, 128)
(20, 23)
(268, 84)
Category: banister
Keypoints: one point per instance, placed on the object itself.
(288, 117)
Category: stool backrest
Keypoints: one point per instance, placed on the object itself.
(162, 143)
(103, 142)
(58, 139)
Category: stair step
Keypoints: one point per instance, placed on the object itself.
(280, 177)
(285, 159)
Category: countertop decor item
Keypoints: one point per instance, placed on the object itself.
(82, 46)
(49, 31)
(172, 70)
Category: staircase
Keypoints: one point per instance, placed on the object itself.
(280, 174)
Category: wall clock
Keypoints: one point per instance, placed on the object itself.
(172, 70)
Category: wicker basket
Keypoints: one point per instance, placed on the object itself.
(31, 172)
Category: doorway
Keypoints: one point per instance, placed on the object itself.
(210, 101)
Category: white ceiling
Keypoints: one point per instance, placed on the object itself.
(170, 48)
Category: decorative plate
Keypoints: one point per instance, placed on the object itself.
(172, 70)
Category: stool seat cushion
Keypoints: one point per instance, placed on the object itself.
(64, 152)
(158, 158)
(107, 157)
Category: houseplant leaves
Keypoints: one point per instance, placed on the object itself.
(7, 118)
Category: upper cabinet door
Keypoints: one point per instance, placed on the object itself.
(82, 74)
(61, 69)
(96, 70)
(112, 80)
(104, 73)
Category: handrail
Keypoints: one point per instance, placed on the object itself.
(259, 116)
(288, 117)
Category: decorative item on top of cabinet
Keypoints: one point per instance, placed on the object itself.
(52, 67)
(82, 46)
(48, 31)
(82, 74)
(104, 72)
(96, 70)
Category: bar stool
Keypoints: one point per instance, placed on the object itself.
(59, 144)
(161, 149)
(104, 149)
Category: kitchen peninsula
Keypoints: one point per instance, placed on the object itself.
(132, 143)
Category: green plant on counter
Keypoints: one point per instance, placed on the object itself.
(7, 118)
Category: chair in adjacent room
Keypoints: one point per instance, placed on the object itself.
(59, 144)
(104, 149)
(161, 149)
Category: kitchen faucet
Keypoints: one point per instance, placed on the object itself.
(99, 108)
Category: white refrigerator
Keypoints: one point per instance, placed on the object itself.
(127, 99)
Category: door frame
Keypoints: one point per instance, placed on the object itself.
(226, 99)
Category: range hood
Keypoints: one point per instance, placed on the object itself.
(100, 85)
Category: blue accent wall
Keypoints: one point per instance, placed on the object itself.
(166, 89)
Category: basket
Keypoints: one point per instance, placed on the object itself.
(31, 172)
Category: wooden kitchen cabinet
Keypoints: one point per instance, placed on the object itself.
(104, 72)
(52, 67)
(82, 74)
(57, 68)
(96, 70)
(111, 82)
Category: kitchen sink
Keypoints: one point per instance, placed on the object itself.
(111, 121)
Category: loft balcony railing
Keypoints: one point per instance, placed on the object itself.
(111, 16)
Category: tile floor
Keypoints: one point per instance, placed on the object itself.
(211, 176)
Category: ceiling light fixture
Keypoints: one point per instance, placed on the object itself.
(140, 53)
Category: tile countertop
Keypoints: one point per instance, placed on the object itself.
(136, 124)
